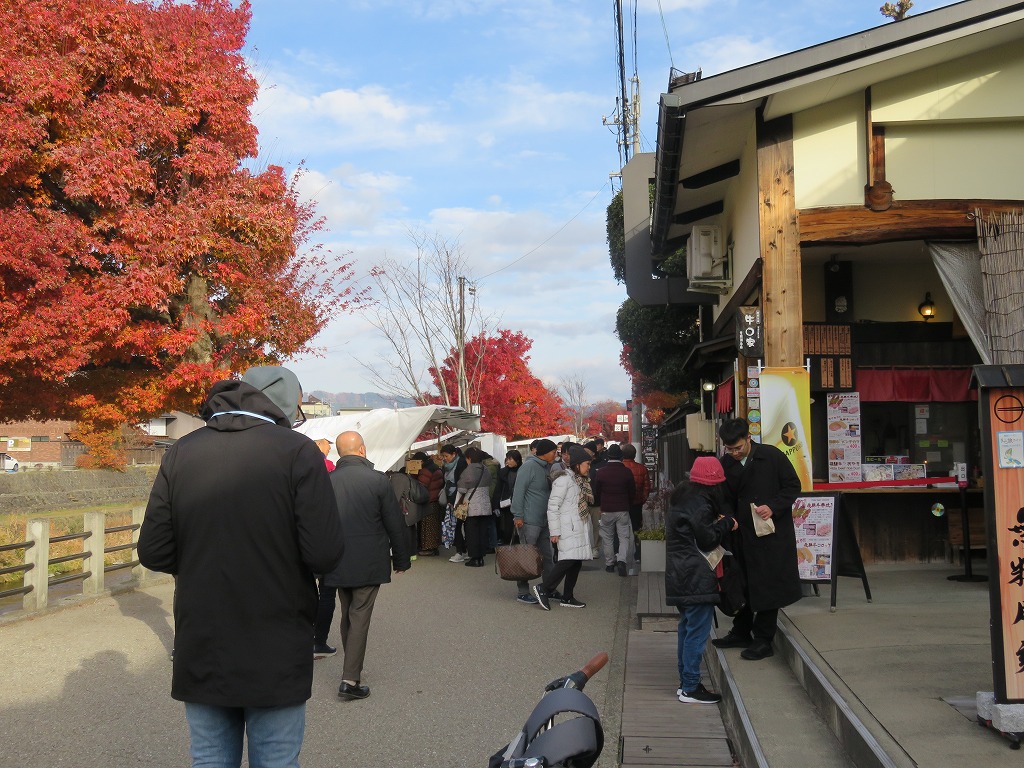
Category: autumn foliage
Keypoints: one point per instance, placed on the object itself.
(142, 253)
(513, 402)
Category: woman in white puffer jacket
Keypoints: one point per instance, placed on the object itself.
(570, 529)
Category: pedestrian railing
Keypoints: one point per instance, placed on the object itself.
(36, 567)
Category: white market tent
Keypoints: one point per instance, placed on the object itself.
(389, 432)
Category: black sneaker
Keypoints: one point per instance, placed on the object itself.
(527, 599)
(571, 602)
(554, 595)
(699, 695)
(323, 649)
(542, 598)
(732, 640)
(621, 568)
(609, 569)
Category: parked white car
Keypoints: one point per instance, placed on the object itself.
(8, 463)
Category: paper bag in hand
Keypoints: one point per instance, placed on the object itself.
(761, 527)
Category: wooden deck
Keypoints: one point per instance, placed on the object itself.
(652, 612)
(656, 728)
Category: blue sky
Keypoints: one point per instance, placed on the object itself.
(481, 120)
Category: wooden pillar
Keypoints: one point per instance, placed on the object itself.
(781, 293)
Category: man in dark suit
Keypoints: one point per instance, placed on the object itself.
(760, 480)
(375, 541)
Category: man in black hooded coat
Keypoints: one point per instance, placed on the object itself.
(243, 514)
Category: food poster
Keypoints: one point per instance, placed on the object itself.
(785, 417)
(814, 520)
(844, 437)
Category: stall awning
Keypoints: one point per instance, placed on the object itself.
(915, 385)
(725, 397)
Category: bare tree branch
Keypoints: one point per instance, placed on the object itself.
(574, 395)
(416, 311)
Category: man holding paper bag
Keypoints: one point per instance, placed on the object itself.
(761, 486)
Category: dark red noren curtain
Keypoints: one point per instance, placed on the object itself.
(724, 397)
(920, 385)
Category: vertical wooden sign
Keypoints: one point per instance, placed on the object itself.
(1002, 412)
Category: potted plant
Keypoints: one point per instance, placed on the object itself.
(652, 549)
(652, 534)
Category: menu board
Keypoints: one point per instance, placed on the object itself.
(814, 521)
(844, 437)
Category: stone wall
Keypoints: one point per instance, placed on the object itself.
(45, 491)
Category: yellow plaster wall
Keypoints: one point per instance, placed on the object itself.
(830, 154)
(986, 86)
(944, 161)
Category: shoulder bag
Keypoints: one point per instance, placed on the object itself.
(461, 510)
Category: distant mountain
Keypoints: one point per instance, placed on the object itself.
(364, 400)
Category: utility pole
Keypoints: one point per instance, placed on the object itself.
(627, 113)
(463, 384)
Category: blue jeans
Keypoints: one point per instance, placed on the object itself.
(274, 734)
(692, 635)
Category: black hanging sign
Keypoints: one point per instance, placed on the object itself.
(749, 332)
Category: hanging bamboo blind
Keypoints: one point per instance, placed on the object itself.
(1001, 242)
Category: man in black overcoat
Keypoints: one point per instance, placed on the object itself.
(376, 541)
(242, 513)
(760, 480)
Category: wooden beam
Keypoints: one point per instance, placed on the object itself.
(782, 298)
(696, 214)
(748, 292)
(878, 191)
(906, 220)
(712, 175)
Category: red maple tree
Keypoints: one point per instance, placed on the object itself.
(142, 254)
(513, 402)
(600, 419)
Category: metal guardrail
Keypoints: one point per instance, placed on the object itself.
(37, 580)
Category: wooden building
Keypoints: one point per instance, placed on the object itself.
(866, 195)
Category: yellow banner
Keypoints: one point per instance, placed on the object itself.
(786, 417)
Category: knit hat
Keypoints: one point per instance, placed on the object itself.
(614, 453)
(280, 385)
(577, 456)
(707, 470)
(544, 446)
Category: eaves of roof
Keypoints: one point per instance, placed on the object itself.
(794, 81)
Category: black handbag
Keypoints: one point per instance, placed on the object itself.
(731, 586)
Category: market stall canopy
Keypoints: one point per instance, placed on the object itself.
(387, 432)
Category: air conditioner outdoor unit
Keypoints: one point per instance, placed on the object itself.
(707, 261)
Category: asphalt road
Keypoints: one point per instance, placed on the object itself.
(454, 663)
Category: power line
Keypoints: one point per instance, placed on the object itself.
(551, 237)
(664, 27)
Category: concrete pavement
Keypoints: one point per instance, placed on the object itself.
(904, 670)
(454, 663)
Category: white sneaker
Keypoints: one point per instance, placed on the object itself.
(458, 557)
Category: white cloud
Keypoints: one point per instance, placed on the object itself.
(726, 52)
(369, 117)
(353, 200)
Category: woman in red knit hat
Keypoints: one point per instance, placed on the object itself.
(694, 525)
